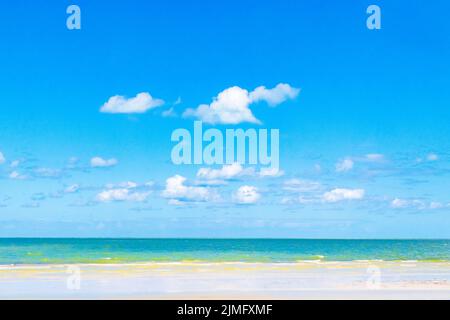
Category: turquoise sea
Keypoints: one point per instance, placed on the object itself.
(36, 251)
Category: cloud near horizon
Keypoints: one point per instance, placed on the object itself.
(247, 195)
(341, 194)
(122, 194)
(178, 192)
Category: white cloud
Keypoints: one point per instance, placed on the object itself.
(139, 104)
(297, 185)
(123, 185)
(247, 195)
(233, 171)
(348, 163)
(122, 195)
(436, 205)
(2, 158)
(344, 165)
(232, 106)
(98, 162)
(398, 203)
(177, 189)
(274, 96)
(341, 194)
(226, 172)
(17, 176)
(432, 157)
(270, 172)
(375, 157)
(169, 113)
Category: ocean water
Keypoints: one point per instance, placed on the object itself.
(40, 251)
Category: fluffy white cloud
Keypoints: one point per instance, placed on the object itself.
(122, 195)
(344, 165)
(2, 158)
(274, 96)
(176, 189)
(341, 194)
(232, 106)
(247, 195)
(139, 104)
(98, 162)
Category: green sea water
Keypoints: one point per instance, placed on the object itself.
(41, 251)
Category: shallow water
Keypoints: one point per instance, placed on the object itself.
(38, 251)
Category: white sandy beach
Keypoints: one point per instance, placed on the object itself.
(196, 280)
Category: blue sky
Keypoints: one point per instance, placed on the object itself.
(364, 148)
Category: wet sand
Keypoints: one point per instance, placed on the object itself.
(198, 280)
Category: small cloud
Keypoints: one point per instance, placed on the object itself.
(436, 205)
(341, 194)
(227, 172)
(2, 158)
(72, 162)
(98, 162)
(122, 195)
(177, 102)
(125, 184)
(274, 96)
(139, 104)
(297, 185)
(375, 157)
(72, 188)
(270, 172)
(169, 113)
(344, 165)
(432, 157)
(17, 176)
(176, 189)
(246, 195)
(399, 203)
(47, 173)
